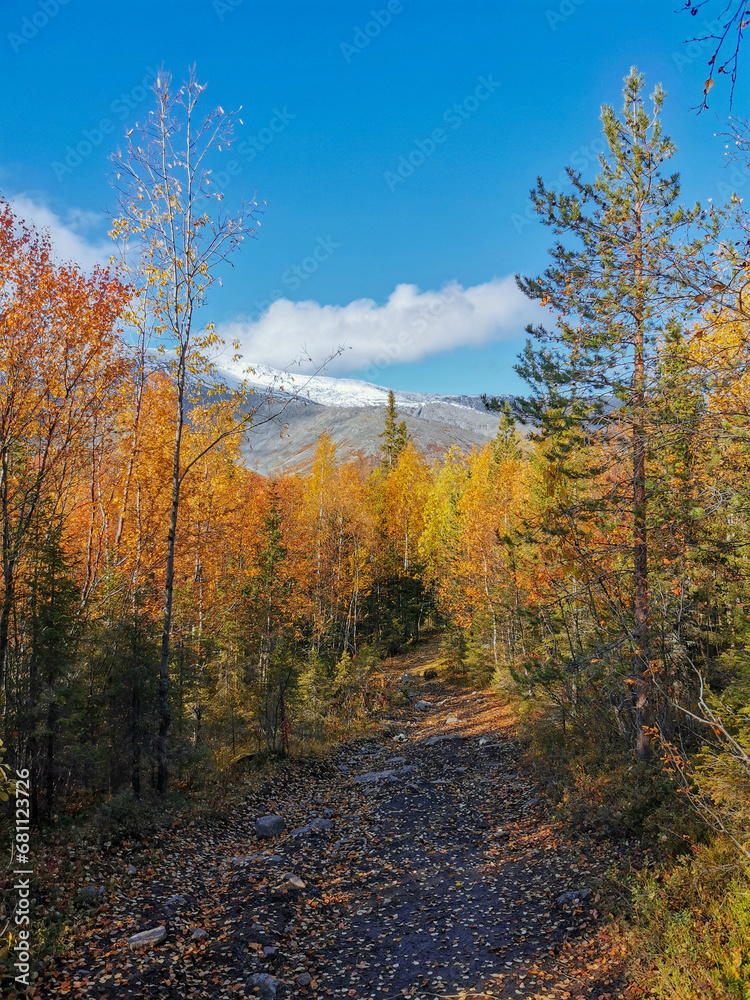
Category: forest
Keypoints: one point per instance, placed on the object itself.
(166, 613)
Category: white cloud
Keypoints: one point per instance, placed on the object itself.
(74, 237)
(410, 326)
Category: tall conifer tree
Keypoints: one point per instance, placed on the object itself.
(616, 298)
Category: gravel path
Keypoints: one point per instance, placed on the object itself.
(437, 874)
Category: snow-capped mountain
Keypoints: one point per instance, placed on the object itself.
(351, 412)
(302, 407)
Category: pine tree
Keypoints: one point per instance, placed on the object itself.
(395, 436)
(507, 444)
(616, 300)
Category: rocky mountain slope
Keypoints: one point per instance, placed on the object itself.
(302, 407)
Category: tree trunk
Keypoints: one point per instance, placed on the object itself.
(165, 715)
(49, 762)
(135, 731)
(641, 655)
(8, 567)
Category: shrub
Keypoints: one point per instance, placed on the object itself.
(124, 817)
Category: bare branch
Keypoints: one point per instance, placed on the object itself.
(724, 34)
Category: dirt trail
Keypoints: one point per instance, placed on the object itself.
(437, 874)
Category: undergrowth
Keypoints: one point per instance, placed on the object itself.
(683, 907)
(690, 926)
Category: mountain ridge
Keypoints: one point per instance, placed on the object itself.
(332, 391)
(295, 409)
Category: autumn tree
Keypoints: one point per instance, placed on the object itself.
(398, 496)
(724, 34)
(59, 362)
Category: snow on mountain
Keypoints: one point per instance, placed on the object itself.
(350, 411)
(339, 392)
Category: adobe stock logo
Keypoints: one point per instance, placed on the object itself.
(294, 276)
(579, 160)
(363, 36)
(91, 138)
(454, 116)
(566, 9)
(224, 7)
(31, 26)
(249, 148)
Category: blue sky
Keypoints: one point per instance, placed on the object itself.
(410, 269)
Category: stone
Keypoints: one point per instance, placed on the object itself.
(269, 950)
(392, 774)
(448, 738)
(424, 706)
(270, 826)
(407, 678)
(452, 720)
(150, 937)
(89, 891)
(395, 760)
(328, 814)
(304, 979)
(266, 983)
(295, 880)
(317, 826)
(132, 870)
(321, 825)
(198, 934)
(375, 776)
(175, 902)
(430, 674)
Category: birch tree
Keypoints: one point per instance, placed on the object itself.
(174, 236)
